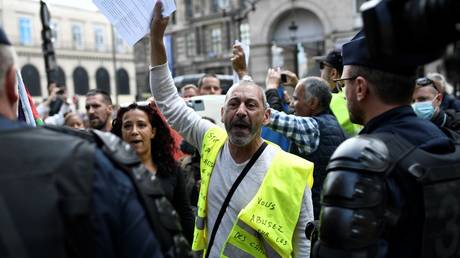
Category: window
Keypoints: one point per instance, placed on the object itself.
(216, 42)
(25, 31)
(245, 34)
(54, 32)
(214, 6)
(60, 76)
(122, 82)
(188, 8)
(31, 78)
(77, 37)
(80, 81)
(103, 79)
(191, 44)
(99, 38)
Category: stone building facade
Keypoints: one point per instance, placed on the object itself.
(286, 33)
(83, 46)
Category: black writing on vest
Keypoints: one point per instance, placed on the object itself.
(239, 236)
(263, 233)
(269, 204)
(207, 162)
(280, 240)
(258, 247)
(267, 223)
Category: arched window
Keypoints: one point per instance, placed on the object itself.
(80, 81)
(31, 79)
(103, 79)
(60, 79)
(123, 82)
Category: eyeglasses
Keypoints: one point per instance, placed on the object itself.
(424, 81)
(339, 82)
(323, 64)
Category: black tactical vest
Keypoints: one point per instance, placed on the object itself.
(429, 222)
(45, 194)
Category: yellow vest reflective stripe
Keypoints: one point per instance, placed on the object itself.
(213, 141)
(265, 227)
(339, 108)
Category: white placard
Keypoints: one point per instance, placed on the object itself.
(132, 18)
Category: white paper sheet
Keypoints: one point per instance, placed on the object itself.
(245, 48)
(132, 18)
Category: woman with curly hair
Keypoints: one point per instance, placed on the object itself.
(143, 128)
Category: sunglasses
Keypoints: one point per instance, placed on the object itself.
(424, 81)
(339, 83)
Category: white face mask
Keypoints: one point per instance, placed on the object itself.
(425, 109)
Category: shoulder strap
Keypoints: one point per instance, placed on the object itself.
(230, 194)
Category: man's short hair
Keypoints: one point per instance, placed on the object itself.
(318, 88)
(188, 86)
(105, 95)
(208, 75)
(390, 88)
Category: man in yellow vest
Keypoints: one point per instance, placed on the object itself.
(331, 69)
(259, 214)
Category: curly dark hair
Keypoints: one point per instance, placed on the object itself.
(163, 142)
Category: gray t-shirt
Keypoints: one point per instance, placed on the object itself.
(190, 125)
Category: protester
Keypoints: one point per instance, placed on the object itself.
(256, 210)
(99, 110)
(188, 91)
(209, 84)
(372, 203)
(142, 127)
(427, 99)
(331, 69)
(53, 109)
(60, 195)
(448, 100)
(314, 133)
(73, 120)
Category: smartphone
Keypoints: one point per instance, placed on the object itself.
(283, 78)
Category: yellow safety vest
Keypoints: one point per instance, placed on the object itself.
(339, 108)
(270, 216)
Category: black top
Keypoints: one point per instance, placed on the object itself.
(403, 121)
(174, 188)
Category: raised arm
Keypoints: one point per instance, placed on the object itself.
(182, 118)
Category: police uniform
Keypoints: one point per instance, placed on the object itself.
(62, 197)
(389, 191)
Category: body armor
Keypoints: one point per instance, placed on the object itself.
(383, 197)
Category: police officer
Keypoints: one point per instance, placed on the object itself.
(386, 193)
(60, 196)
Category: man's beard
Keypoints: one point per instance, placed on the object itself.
(97, 124)
(241, 140)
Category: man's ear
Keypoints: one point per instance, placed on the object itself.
(267, 115)
(313, 103)
(11, 90)
(222, 114)
(334, 73)
(362, 88)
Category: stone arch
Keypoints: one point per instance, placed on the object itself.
(283, 7)
(31, 78)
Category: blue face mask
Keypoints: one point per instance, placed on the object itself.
(424, 109)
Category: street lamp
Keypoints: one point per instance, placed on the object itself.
(293, 35)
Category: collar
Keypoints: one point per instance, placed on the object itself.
(397, 113)
(6, 124)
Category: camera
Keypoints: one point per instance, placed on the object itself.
(60, 91)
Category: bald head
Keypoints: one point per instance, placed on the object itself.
(8, 88)
(251, 86)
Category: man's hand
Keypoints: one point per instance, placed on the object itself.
(157, 32)
(291, 79)
(273, 79)
(239, 61)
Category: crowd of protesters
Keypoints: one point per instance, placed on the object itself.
(234, 194)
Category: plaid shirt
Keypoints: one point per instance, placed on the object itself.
(303, 131)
